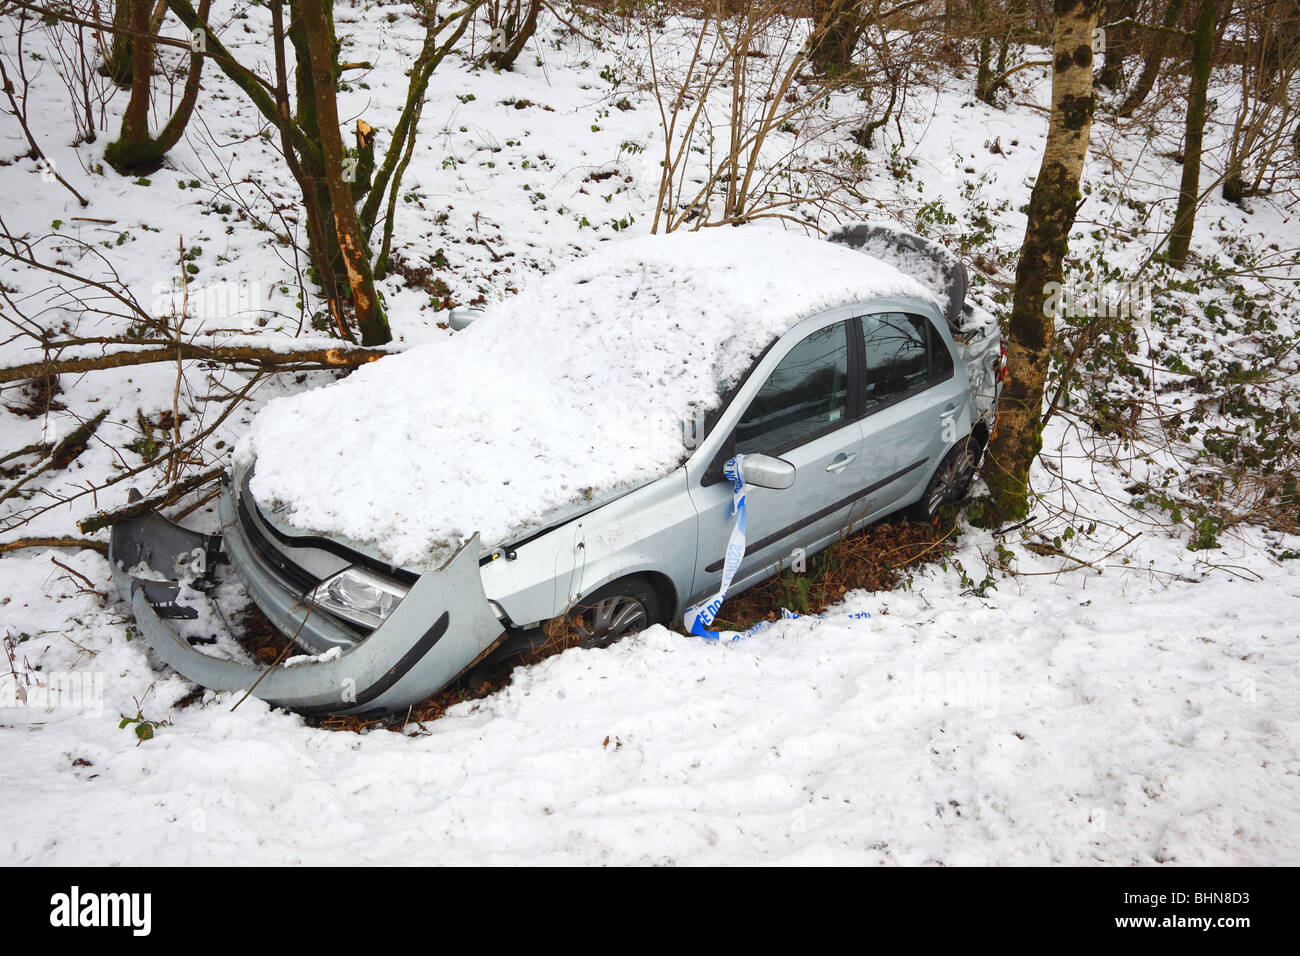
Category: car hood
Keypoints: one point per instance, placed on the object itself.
(275, 515)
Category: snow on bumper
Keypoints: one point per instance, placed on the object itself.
(442, 627)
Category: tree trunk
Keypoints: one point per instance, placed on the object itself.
(1118, 41)
(1154, 59)
(984, 72)
(1052, 208)
(125, 153)
(1234, 187)
(121, 54)
(356, 257)
(315, 191)
(1180, 239)
(317, 225)
(836, 28)
(516, 35)
(135, 151)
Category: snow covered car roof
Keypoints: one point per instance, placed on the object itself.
(574, 389)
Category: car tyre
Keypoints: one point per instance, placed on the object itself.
(951, 480)
(613, 612)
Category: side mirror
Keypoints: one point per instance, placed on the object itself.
(764, 471)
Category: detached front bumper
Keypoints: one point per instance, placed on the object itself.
(441, 628)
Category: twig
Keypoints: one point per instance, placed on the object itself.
(36, 151)
(90, 585)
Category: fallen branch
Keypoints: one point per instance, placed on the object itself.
(229, 355)
(20, 544)
(158, 499)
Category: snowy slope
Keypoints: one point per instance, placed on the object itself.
(1124, 718)
(1145, 710)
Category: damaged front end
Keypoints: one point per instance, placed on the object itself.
(413, 638)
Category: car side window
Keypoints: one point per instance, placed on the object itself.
(904, 354)
(941, 368)
(806, 394)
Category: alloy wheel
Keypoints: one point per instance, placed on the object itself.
(610, 619)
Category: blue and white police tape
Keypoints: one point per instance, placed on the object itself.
(698, 618)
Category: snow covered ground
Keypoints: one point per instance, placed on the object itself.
(1146, 714)
(1144, 710)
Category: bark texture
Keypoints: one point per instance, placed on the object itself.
(1052, 208)
(371, 319)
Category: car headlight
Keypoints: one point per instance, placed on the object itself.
(358, 596)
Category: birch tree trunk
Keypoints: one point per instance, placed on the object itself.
(1052, 208)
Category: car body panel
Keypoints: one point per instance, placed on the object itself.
(442, 626)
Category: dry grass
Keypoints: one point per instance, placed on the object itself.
(258, 637)
(875, 559)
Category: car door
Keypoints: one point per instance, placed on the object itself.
(803, 412)
(914, 407)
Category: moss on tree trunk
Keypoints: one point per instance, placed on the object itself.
(121, 52)
(135, 151)
(1052, 208)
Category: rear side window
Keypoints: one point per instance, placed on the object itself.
(806, 395)
(904, 355)
(940, 357)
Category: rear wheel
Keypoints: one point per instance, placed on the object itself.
(615, 611)
(951, 481)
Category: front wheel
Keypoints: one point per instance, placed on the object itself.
(951, 481)
(615, 611)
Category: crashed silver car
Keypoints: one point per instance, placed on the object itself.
(843, 405)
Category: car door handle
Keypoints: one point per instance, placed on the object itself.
(840, 462)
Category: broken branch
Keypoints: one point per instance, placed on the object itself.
(229, 355)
